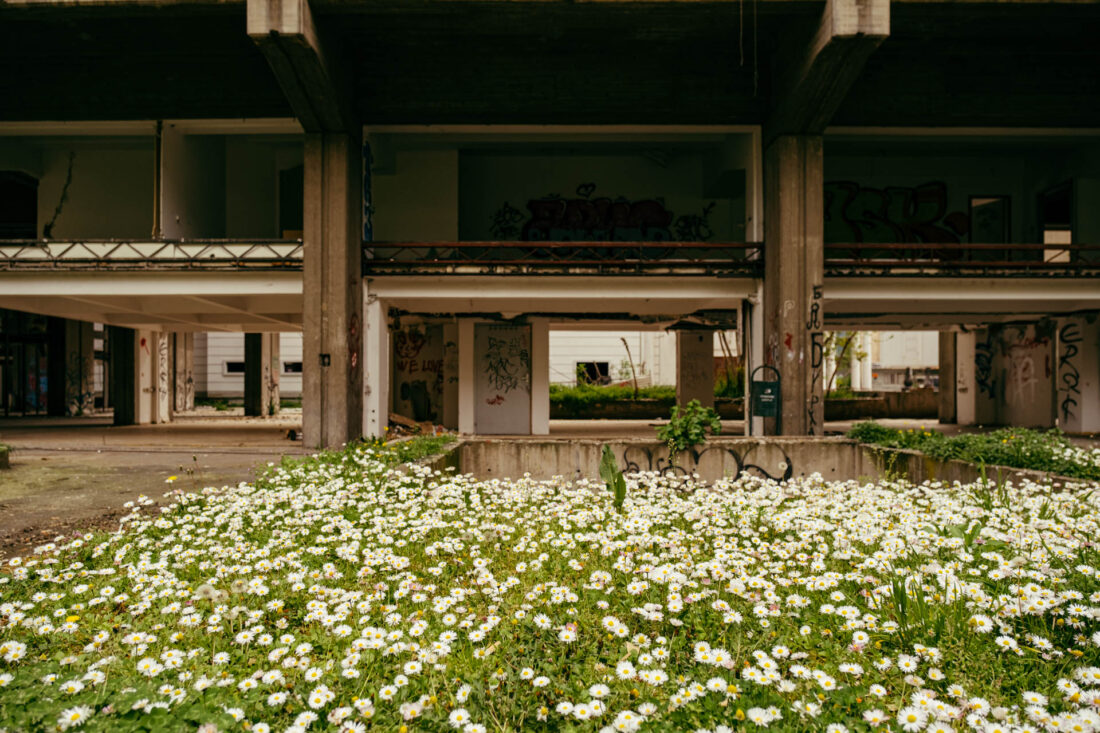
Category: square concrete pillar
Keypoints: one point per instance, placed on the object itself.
(1077, 402)
(695, 367)
(376, 366)
(540, 376)
(183, 371)
(988, 375)
(793, 275)
(1027, 357)
(332, 339)
(450, 376)
(467, 403)
(122, 350)
(161, 377)
(947, 389)
(71, 367)
(261, 381)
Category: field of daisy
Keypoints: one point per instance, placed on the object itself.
(346, 592)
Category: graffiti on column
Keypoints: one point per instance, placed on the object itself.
(817, 361)
(162, 366)
(983, 366)
(355, 343)
(1069, 336)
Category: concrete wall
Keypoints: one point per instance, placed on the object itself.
(111, 190)
(1077, 381)
(1026, 367)
(836, 459)
(682, 181)
(417, 199)
(193, 185)
(502, 379)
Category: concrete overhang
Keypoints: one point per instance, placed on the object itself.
(584, 298)
(865, 302)
(169, 301)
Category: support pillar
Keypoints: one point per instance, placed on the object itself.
(450, 376)
(867, 375)
(966, 387)
(793, 275)
(947, 393)
(467, 404)
(376, 366)
(261, 381)
(695, 367)
(540, 376)
(160, 377)
(183, 371)
(1078, 378)
(854, 369)
(332, 388)
(122, 344)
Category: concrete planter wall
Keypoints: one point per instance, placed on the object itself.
(636, 410)
(836, 459)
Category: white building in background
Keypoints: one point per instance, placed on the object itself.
(219, 365)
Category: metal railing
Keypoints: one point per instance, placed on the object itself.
(159, 254)
(962, 260)
(563, 258)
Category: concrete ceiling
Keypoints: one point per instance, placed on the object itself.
(551, 62)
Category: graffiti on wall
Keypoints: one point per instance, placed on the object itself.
(983, 366)
(1022, 377)
(768, 461)
(507, 365)
(895, 214)
(590, 218)
(418, 372)
(1068, 373)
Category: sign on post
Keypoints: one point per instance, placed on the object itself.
(764, 398)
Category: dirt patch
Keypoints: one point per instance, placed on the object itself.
(47, 493)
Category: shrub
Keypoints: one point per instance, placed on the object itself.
(687, 426)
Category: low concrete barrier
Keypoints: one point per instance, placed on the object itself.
(836, 459)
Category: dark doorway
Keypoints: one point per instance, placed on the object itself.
(291, 192)
(18, 205)
(24, 364)
(1055, 216)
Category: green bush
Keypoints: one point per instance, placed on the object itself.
(1014, 447)
(585, 395)
(687, 426)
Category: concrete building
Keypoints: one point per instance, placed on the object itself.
(427, 191)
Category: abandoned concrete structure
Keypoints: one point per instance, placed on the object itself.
(426, 189)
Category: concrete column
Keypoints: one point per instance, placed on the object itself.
(755, 355)
(966, 388)
(275, 371)
(183, 371)
(450, 376)
(70, 371)
(144, 377)
(854, 368)
(55, 367)
(332, 390)
(695, 367)
(793, 276)
(1078, 379)
(540, 376)
(376, 366)
(988, 375)
(161, 377)
(947, 394)
(257, 374)
(467, 405)
(829, 377)
(122, 345)
(867, 376)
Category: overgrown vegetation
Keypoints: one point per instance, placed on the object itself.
(342, 595)
(687, 426)
(1014, 447)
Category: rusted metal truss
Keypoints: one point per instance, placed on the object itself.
(163, 254)
(726, 259)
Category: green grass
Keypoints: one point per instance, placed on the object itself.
(1014, 447)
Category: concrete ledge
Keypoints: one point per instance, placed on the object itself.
(779, 458)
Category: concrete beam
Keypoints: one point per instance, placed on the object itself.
(285, 33)
(811, 86)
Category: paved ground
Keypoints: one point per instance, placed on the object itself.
(69, 475)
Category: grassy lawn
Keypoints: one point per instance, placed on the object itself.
(345, 593)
